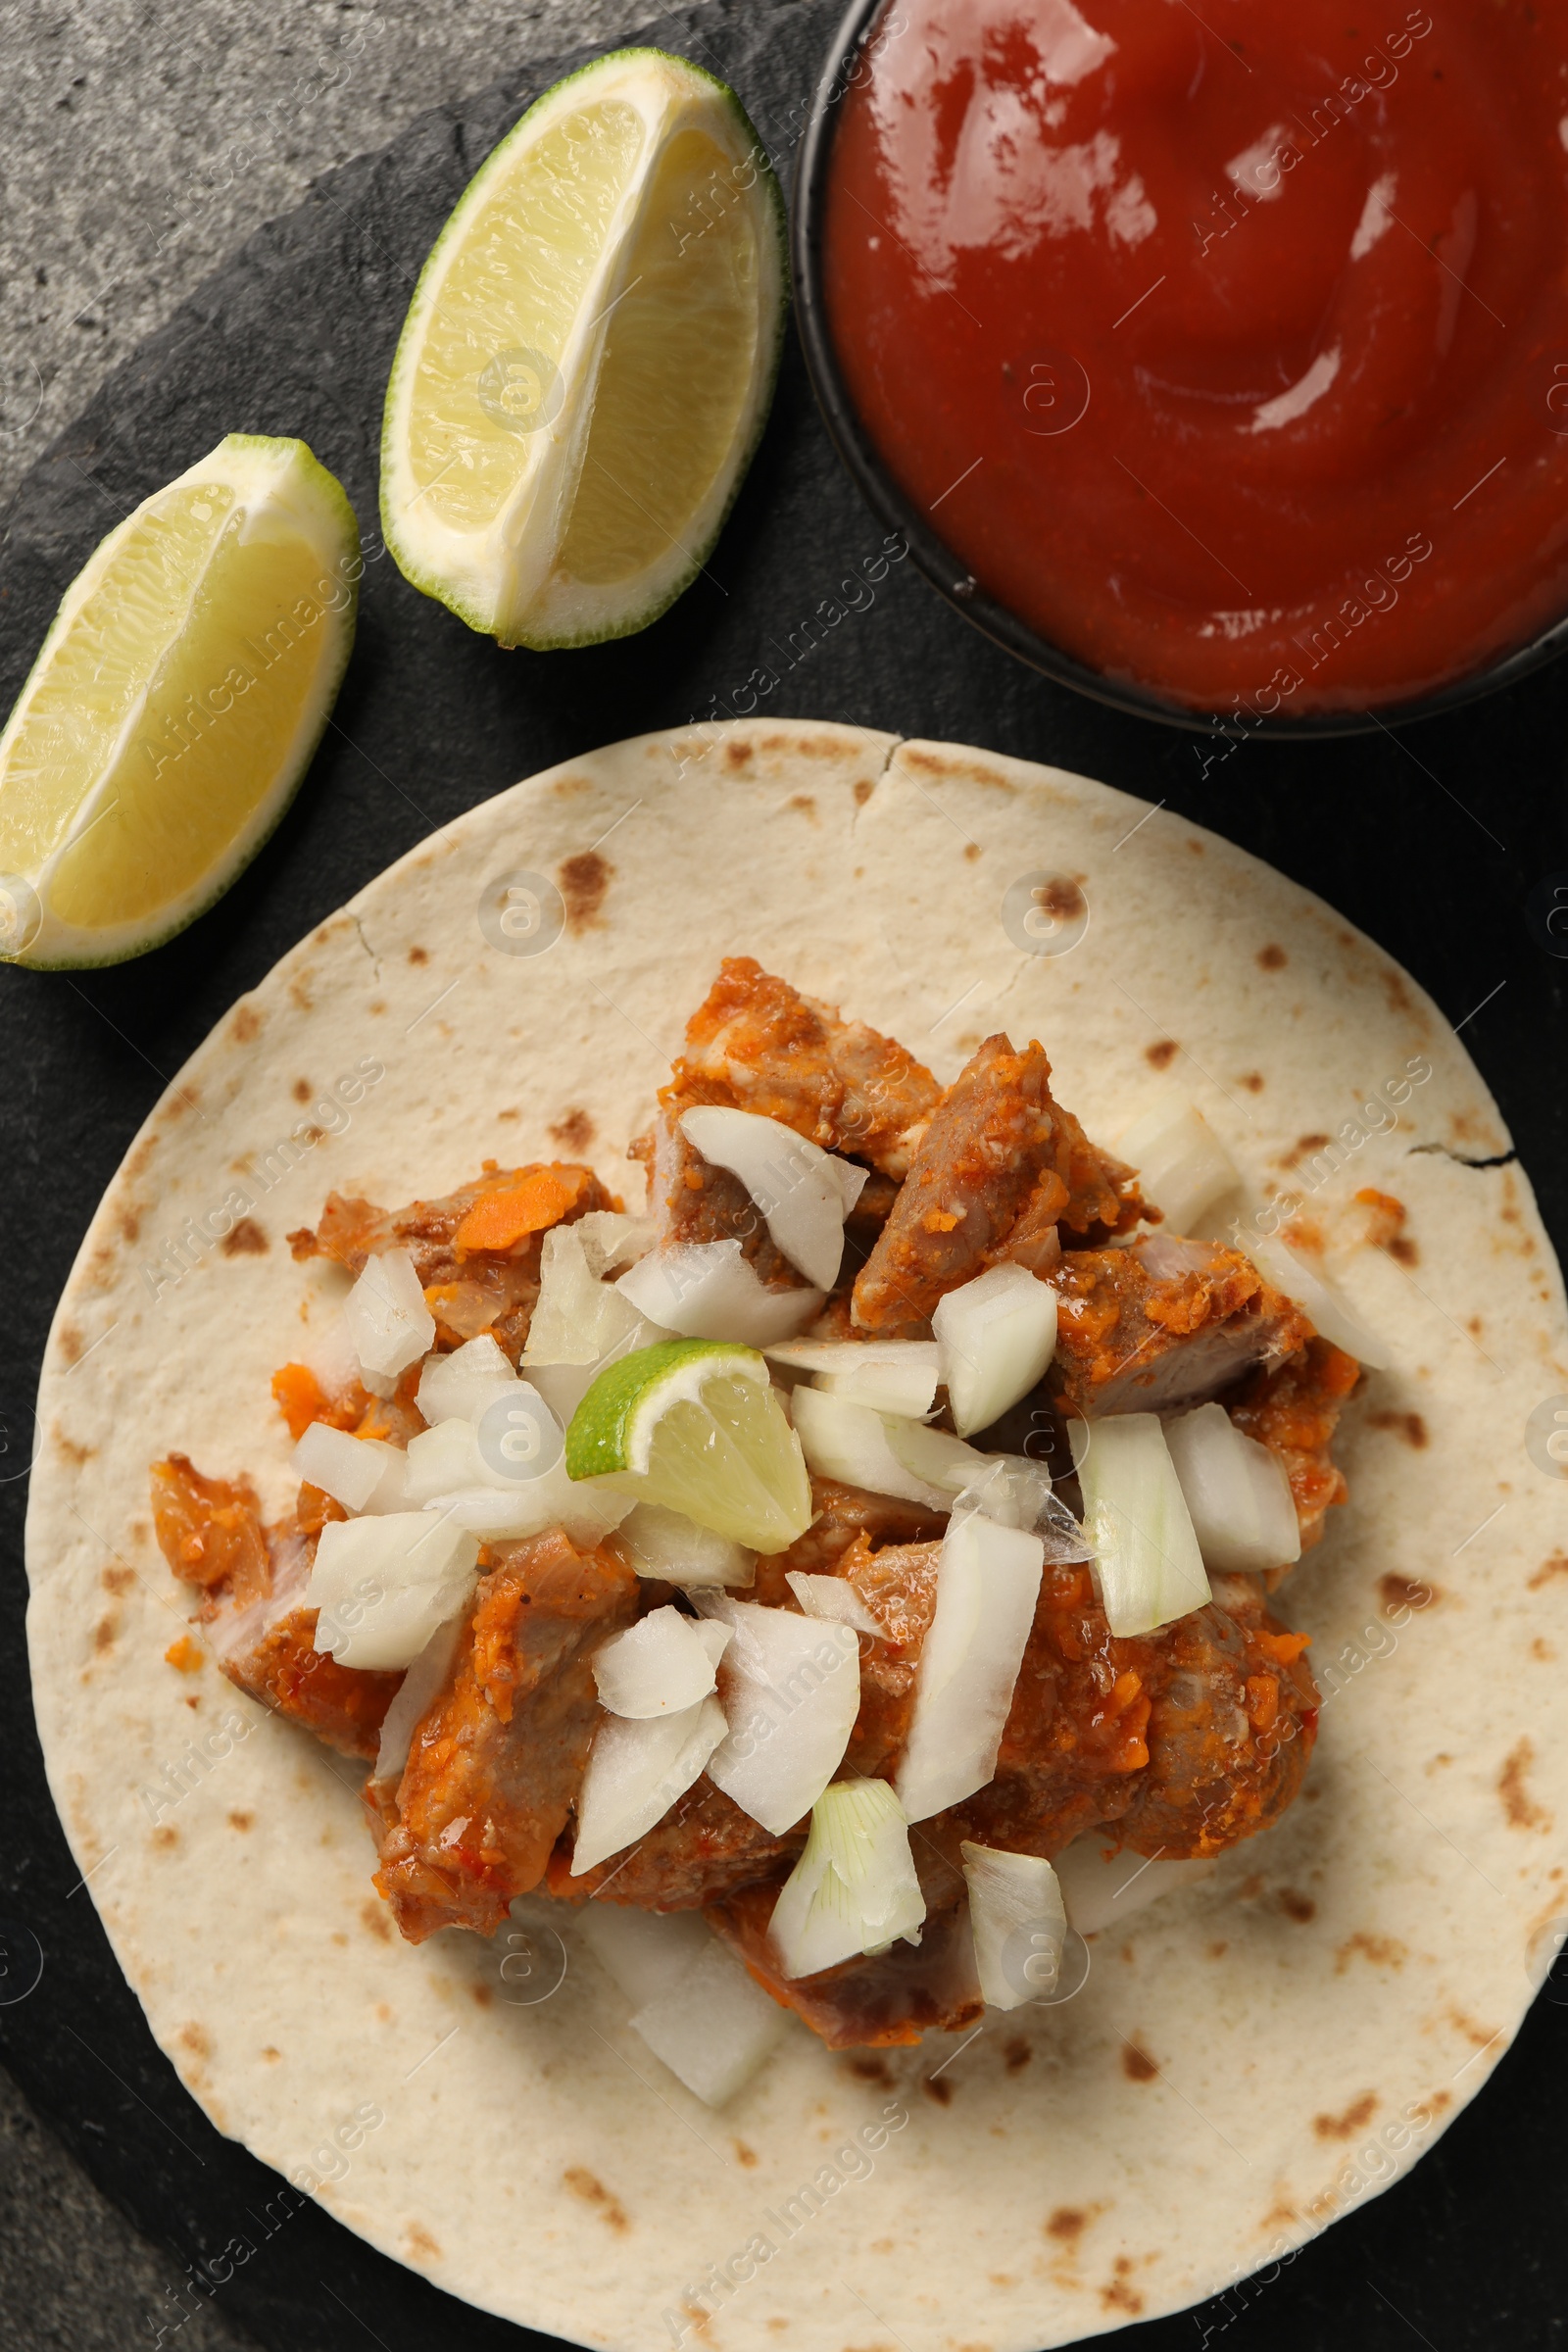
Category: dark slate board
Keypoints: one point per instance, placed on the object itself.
(1435, 843)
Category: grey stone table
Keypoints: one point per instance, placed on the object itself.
(141, 141)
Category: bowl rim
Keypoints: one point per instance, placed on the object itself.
(935, 560)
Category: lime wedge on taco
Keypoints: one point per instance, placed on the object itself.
(176, 703)
(695, 1425)
(588, 359)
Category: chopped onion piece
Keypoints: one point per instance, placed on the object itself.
(850, 1441)
(637, 1769)
(1101, 1889)
(383, 1585)
(995, 1337)
(578, 1319)
(363, 1474)
(388, 1321)
(1237, 1491)
(892, 1376)
(1322, 1302)
(477, 1454)
(1017, 1492)
(855, 1889)
(790, 1689)
(988, 1579)
(715, 2029)
(943, 1461)
(708, 1290)
(1018, 1921)
(832, 1596)
(442, 1459)
(564, 1386)
(649, 1953)
(585, 1508)
(458, 1387)
(610, 1239)
(667, 1544)
(415, 1695)
(1182, 1167)
(659, 1666)
(803, 1193)
(1147, 1561)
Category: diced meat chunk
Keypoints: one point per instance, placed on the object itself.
(1188, 1738)
(843, 1516)
(695, 1201)
(703, 1847)
(756, 1043)
(252, 1581)
(1097, 1720)
(1163, 1325)
(495, 1765)
(999, 1152)
(898, 1587)
(881, 2002)
(1293, 1409)
(1231, 1728)
(486, 1279)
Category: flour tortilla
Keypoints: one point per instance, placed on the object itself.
(1308, 2019)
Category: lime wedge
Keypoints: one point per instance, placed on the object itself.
(588, 359)
(694, 1425)
(174, 706)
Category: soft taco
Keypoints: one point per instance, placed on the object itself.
(788, 1374)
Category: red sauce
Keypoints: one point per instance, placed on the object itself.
(1237, 367)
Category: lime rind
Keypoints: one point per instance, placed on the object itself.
(272, 478)
(471, 576)
(695, 1425)
(612, 1428)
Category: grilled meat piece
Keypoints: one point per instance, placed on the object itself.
(495, 1765)
(757, 1044)
(843, 1516)
(1163, 1325)
(702, 1848)
(880, 2002)
(999, 1154)
(252, 1581)
(469, 1290)
(1231, 1728)
(1293, 1409)
(695, 1201)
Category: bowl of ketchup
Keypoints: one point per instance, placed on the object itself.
(1216, 366)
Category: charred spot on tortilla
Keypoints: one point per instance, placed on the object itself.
(245, 1238)
(573, 1131)
(1345, 2126)
(1162, 1052)
(1410, 1427)
(584, 880)
(1272, 958)
(1521, 1808)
